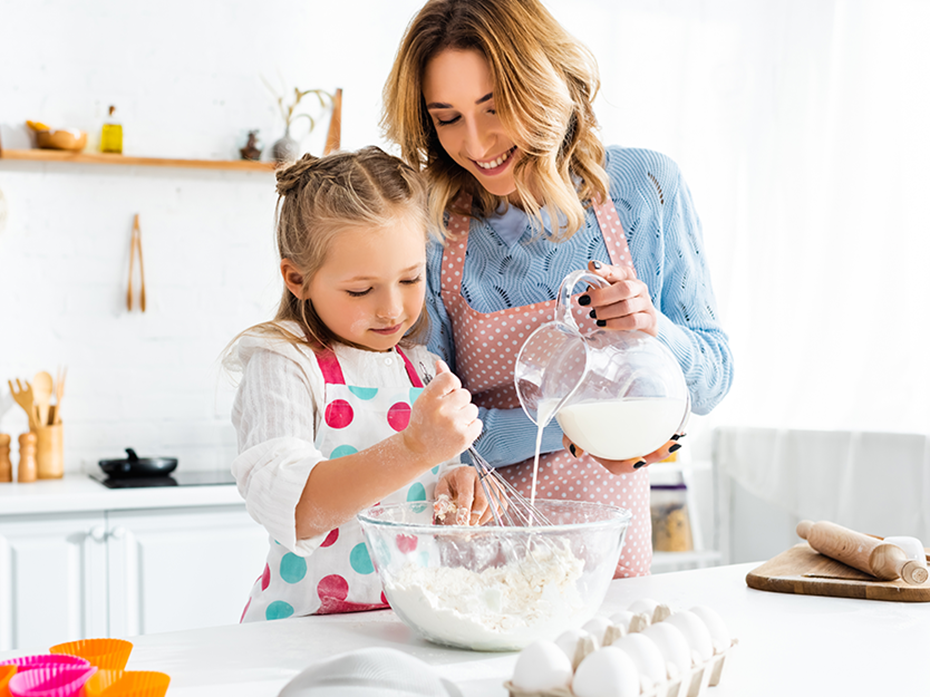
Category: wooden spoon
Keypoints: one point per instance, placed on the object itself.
(59, 393)
(42, 386)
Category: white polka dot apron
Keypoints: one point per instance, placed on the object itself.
(339, 576)
(486, 346)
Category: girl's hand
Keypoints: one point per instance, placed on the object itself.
(443, 421)
(625, 304)
(460, 498)
(627, 466)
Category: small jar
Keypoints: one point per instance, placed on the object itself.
(671, 523)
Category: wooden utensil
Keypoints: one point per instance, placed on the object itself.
(869, 554)
(23, 397)
(333, 135)
(42, 386)
(135, 246)
(59, 394)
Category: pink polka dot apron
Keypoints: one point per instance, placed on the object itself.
(486, 346)
(339, 576)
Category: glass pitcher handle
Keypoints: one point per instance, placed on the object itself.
(563, 310)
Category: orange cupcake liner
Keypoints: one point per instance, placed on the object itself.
(6, 672)
(127, 683)
(105, 654)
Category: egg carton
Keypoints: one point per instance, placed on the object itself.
(691, 683)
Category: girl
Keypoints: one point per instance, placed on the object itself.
(492, 100)
(331, 413)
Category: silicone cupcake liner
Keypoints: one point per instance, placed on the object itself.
(6, 672)
(127, 683)
(106, 654)
(47, 659)
(50, 681)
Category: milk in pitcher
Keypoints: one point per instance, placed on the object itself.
(621, 429)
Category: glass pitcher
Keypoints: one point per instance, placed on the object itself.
(616, 394)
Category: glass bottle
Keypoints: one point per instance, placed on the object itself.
(111, 137)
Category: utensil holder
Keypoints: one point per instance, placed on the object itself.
(50, 454)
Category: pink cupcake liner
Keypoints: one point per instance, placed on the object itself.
(47, 659)
(50, 681)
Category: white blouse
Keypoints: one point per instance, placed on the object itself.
(277, 411)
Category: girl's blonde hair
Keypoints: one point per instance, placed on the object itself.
(544, 85)
(319, 197)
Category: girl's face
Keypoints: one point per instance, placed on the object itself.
(371, 286)
(459, 93)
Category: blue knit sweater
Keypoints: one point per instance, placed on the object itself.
(506, 269)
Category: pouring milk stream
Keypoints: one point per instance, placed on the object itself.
(616, 394)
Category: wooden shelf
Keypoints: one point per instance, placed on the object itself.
(39, 155)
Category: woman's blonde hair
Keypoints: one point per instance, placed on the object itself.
(544, 84)
(319, 197)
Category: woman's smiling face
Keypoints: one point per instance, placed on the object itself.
(459, 92)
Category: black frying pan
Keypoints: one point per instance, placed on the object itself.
(135, 466)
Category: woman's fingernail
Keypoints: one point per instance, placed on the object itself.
(639, 464)
(675, 447)
(678, 435)
(593, 314)
(571, 449)
(601, 323)
(596, 264)
(584, 300)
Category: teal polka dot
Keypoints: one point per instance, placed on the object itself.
(293, 568)
(416, 492)
(341, 451)
(424, 559)
(363, 392)
(435, 470)
(382, 551)
(360, 559)
(278, 610)
(414, 393)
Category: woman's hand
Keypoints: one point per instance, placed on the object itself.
(460, 498)
(625, 304)
(443, 421)
(627, 466)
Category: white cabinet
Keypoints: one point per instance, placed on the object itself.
(123, 573)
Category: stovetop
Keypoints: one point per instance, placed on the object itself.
(205, 478)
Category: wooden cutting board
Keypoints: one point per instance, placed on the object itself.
(804, 571)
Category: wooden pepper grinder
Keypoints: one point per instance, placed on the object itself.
(6, 467)
(27, 458)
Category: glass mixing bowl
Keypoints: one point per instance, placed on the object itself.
(491, 588)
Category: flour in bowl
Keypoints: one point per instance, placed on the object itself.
(500, 608)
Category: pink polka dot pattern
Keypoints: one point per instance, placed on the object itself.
(266, 577)
(338, 414)
(486, 346)
(398, 416)
(245, 609)
(331, 538)
(334, 587)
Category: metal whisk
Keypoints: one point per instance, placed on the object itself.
(509, 507)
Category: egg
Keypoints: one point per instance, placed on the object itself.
(672, 644)
(542, 666)
(715, 624)
(646, 655)
(622, 619)
(696, 632)
(913, 548)
(608, 672)
(597, 627)
(571, 641)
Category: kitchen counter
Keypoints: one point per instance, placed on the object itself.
(78, 492)
(788, 644)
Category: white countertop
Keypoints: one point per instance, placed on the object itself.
(788, 644)
(78, 492)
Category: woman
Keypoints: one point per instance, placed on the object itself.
(492, 101)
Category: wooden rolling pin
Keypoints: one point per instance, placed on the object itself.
(885, 561)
